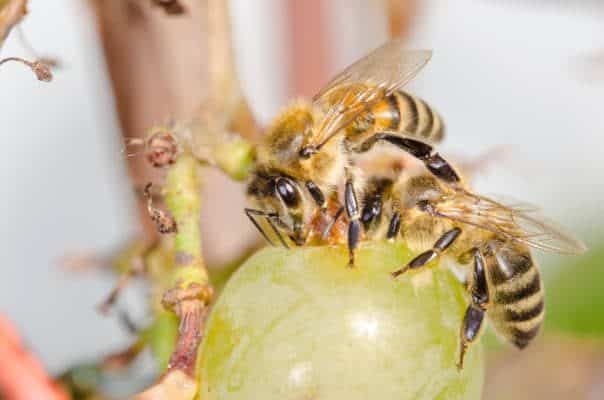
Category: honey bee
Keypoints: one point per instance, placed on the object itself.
(310, 148)
(311, 157)
(494, 239)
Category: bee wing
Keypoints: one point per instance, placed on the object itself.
(364, 83)
(522, 223)
(512, 202)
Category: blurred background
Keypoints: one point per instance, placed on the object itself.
(520, 83)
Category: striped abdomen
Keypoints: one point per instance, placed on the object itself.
(410, 115)
(517, 308)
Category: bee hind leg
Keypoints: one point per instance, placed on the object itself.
(418, 149)
(474, 315)
(443, 243)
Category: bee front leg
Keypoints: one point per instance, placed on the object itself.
(354, 225)
(443, 243)
(474, 316)
(394, 226)
(317, 195)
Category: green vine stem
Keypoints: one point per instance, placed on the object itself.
(223, 111)
(190, 292)
(182, 196)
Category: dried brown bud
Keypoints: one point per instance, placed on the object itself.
(170, 7)
(161, 149)
(42, 71)
(163, 221)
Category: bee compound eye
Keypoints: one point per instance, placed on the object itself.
(287, 192)
(424, 205)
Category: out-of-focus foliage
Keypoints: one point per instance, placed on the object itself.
(82, 381)
(575, 296)
(552, 368)
(161, 337)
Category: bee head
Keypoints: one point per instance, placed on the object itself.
(421, 191)
(282, 196)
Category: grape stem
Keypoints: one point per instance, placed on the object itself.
(190, 293)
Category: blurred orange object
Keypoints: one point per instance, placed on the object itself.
(22, 376)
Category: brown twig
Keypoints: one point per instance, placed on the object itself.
(145, 52)
(141, 47)
(170, 7)
(42, 71)
(225, 109)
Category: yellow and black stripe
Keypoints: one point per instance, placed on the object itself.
(413, 116)
(517, 310)
(399, 112)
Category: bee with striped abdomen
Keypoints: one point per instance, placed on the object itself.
(309, 160)
(492, 238)
(309, 150)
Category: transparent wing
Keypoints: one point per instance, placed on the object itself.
(522, 223)
(364, 83)
(511, 202)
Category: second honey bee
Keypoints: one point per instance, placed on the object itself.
(309, 150)
(493, 239)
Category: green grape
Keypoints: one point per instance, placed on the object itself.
(298, 324)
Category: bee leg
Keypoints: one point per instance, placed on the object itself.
(394, 226)
(443, 243)
(317, 195)
(354, 225)
(418, 149)
(251, 213)
(371, 210)
(474, 316)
